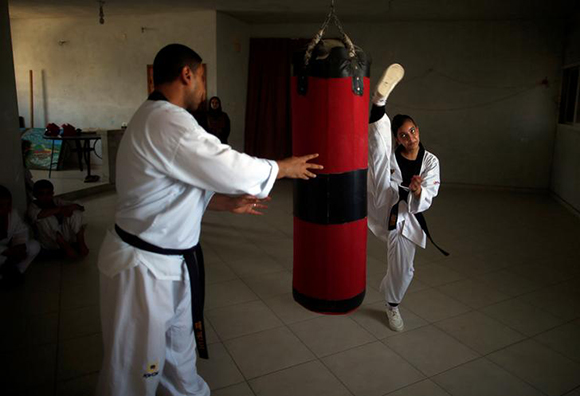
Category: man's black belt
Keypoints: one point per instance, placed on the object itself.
(194, 262)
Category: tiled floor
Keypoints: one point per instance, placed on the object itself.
(500, 316)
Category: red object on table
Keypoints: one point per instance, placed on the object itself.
(52, 130)
(69, 130)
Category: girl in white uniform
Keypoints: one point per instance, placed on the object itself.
(403, 179)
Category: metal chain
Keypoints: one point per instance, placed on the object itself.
(345, 39)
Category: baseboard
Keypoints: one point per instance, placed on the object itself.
(565, 204)
(525, 190)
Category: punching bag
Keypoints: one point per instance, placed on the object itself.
(330, 102)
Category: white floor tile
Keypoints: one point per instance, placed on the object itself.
(433, 306)
(372, 370)
(430, 350)
(250, 306)
(423, 388)
(480, 332)
(483, 378)
(540, 366)
(327, 335)
(564, 339)
(242, 319)
(262, 353)
(308, 379)
(219, 371)
(525, 318)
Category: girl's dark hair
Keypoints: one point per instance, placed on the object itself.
(398, 121)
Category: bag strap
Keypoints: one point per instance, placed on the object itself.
(343, 36)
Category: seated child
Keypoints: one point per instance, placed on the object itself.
(16, 250)
(58, 223)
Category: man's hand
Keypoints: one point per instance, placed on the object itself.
(297, 167)
(243, 204)
(415, 185)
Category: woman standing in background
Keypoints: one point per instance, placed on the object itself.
(218, 122)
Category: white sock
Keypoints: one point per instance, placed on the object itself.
(379, 100)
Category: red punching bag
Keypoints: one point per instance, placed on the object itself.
(330, 102)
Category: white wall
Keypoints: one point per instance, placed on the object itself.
(473, 88)
(233, 42)
(11, 172)
(566, 167)
(98, 78)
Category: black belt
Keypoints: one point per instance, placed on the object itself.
(392, 223)
(194, 262)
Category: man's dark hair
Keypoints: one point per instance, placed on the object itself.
(5, 193)
(42, 185)
(170, 60)
(398, 121)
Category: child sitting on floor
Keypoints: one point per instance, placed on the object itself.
(58, 223)
(16, 250)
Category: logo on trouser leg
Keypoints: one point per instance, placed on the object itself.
(152, 370)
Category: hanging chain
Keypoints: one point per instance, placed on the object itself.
(345, 39)
(101, 12)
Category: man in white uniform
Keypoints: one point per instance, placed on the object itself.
(169, 171)
(402, 183)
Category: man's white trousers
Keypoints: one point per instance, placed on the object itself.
(148, 336)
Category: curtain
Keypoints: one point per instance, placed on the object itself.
(268, 130)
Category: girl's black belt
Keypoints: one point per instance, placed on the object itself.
(392, 222)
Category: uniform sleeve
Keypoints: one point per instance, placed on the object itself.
(18, 229)
(201, 160)
(33, 212)
(429, 187)
(380, 152)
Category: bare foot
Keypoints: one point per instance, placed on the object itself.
(68, 250)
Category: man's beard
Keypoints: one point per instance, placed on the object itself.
(192, 103)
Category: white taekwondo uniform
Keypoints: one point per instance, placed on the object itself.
(168, 169)
(383, 182)
(17, 234)
(47, 228)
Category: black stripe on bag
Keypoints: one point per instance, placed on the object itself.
(195, 267)
(332, 198)
(329, 306)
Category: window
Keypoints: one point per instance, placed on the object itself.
(570, 100)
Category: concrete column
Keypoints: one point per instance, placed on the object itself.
(11, 170)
